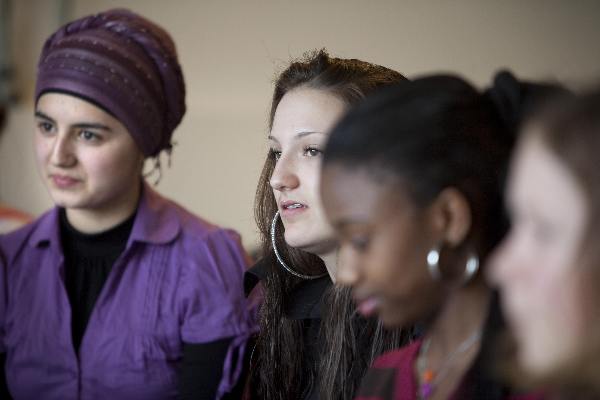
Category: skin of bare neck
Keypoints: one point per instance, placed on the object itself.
(330, 259)
(464, 312)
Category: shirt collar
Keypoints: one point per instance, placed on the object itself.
(156, 222)
(47, 230)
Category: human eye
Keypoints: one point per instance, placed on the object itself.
(274, 154)
(359, 243)
(312, 151)
(89, 136)
(45, 127)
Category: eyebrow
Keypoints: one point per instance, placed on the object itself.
(84, 125)
(298, 135)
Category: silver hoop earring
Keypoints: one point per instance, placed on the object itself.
(433, 263)
(283, 264)
(471, 268)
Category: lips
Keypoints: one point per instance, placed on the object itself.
(292, 207)
(63, 181)
(367, 306)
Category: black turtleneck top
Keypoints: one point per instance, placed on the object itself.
(304, 304)
(88, 261)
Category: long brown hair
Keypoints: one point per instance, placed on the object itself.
(351, 342)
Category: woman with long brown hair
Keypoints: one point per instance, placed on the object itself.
(311, 343)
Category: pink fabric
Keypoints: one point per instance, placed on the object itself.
(391, 377)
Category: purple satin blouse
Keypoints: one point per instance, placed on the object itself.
(178, 280)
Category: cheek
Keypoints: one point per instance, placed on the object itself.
(556, 332)
(111, 167)
(515, 268)
(551, 313)
(313, 193)
(41, 148)
(572, 313)
(555, 282)
(408, 293)
(311, 177)
(394, 267)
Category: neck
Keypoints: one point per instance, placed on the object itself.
(330, 259)
(94, 220)
(464, 312)
(453, 340)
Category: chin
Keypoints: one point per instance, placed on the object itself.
(391, 318)
(388, 322)
(314, 245)
(60, 197)
(60, 201)
(294, 240)
(536, 360)
(69, 202)
(536, 370)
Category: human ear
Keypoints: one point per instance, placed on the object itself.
(452, 216)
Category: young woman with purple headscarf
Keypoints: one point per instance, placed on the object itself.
(117, 292)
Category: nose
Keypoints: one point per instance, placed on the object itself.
(348, 268)
(284, 175)
(62, 152)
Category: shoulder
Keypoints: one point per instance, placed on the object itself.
(198, 234)
(255, 274)
(165, 222)
(206, 242)
(162, 210)
(390, 376)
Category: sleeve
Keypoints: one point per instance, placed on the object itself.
(212, 302)
(201, 369)
(4, 393)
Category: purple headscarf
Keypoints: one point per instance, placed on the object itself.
(126, 65)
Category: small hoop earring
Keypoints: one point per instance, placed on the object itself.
(433, 265)
(471, 268)
(280, 260)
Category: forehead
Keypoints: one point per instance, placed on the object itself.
(541, 180)
(306, 110)
(62, 106)
(358, 194)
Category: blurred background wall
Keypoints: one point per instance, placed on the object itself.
(232, 49)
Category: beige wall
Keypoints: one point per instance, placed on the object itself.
(230, 51)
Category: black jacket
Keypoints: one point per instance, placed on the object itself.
(305, 304)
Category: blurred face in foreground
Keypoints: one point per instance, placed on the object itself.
(545, 287)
